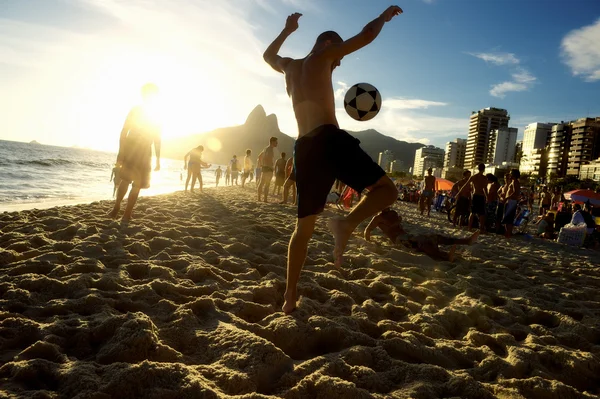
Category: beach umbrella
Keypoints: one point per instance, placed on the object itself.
(583, 196)
(443, 184)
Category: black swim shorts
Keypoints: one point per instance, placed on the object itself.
(478, 205)
(462, 206)
(323, 155)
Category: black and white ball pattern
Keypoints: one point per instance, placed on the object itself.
(362, 101)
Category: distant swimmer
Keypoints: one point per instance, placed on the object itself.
(426, 197)
(478, 187)
(235, 169)
(193, 162)
(322, 150)
(141, 129)
(247, 167)
(290, 182)
(390, 224)
(114, 177)
(218, 174)
(279, 173)
(269, 155)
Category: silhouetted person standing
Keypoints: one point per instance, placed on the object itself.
(140, 131)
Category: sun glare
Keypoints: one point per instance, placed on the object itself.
(189, 100)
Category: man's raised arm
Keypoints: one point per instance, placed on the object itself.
(366, 36)
(271, 55)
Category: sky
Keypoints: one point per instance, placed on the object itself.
(70, 70)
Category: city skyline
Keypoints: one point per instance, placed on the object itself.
(71, 69)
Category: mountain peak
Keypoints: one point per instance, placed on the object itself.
(257, 114)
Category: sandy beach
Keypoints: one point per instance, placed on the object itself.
(184, 302)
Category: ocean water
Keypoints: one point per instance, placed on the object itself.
(43, 176)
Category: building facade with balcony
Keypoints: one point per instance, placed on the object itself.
(558, 149)
(502, 146)
(481, 125)
(455, 153)
(535, 140)
(585, 144)
(427, 157)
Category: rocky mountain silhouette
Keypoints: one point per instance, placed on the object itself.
(222, 143)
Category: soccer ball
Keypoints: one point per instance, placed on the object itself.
(362, 101)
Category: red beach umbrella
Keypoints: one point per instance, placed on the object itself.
(583, 196)
(443, 184)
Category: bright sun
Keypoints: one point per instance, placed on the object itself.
(189, 101)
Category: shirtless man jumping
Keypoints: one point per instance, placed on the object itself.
(322, 149)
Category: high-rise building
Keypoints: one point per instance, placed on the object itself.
(585, 144)
(535, 139)
(481, 124)
(429, 155)
(502, 146)
(396, 166)
(455, 153)
(385, 159)
(590, 171)
(558, 149)
(518, 152)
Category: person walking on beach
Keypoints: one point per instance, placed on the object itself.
(426, 197)
(267, 157)
(247, 167)
(545, 199)
(478, 186)
(323, 149)
(140, 131)
(463, 198)
(114, 177)
(192, 161)
(290, 182)
(227, 175)
(390, 224)
(279, 173)
(218, 174)
(258, 169)
(513, 194)
(235, 171)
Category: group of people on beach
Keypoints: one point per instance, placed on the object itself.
(271, 167)
(321, 154)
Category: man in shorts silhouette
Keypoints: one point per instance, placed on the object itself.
(322, 150)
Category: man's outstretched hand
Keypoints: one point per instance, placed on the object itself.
(391, 12)
(291, 24)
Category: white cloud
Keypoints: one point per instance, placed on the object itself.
(406, 103)
(580, 50)
(522, 80)
(497, 58)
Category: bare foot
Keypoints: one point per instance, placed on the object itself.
(452, 253)
(289, 303)
(473, 238)
(341, 231)
(126, 217)
(114, 213)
